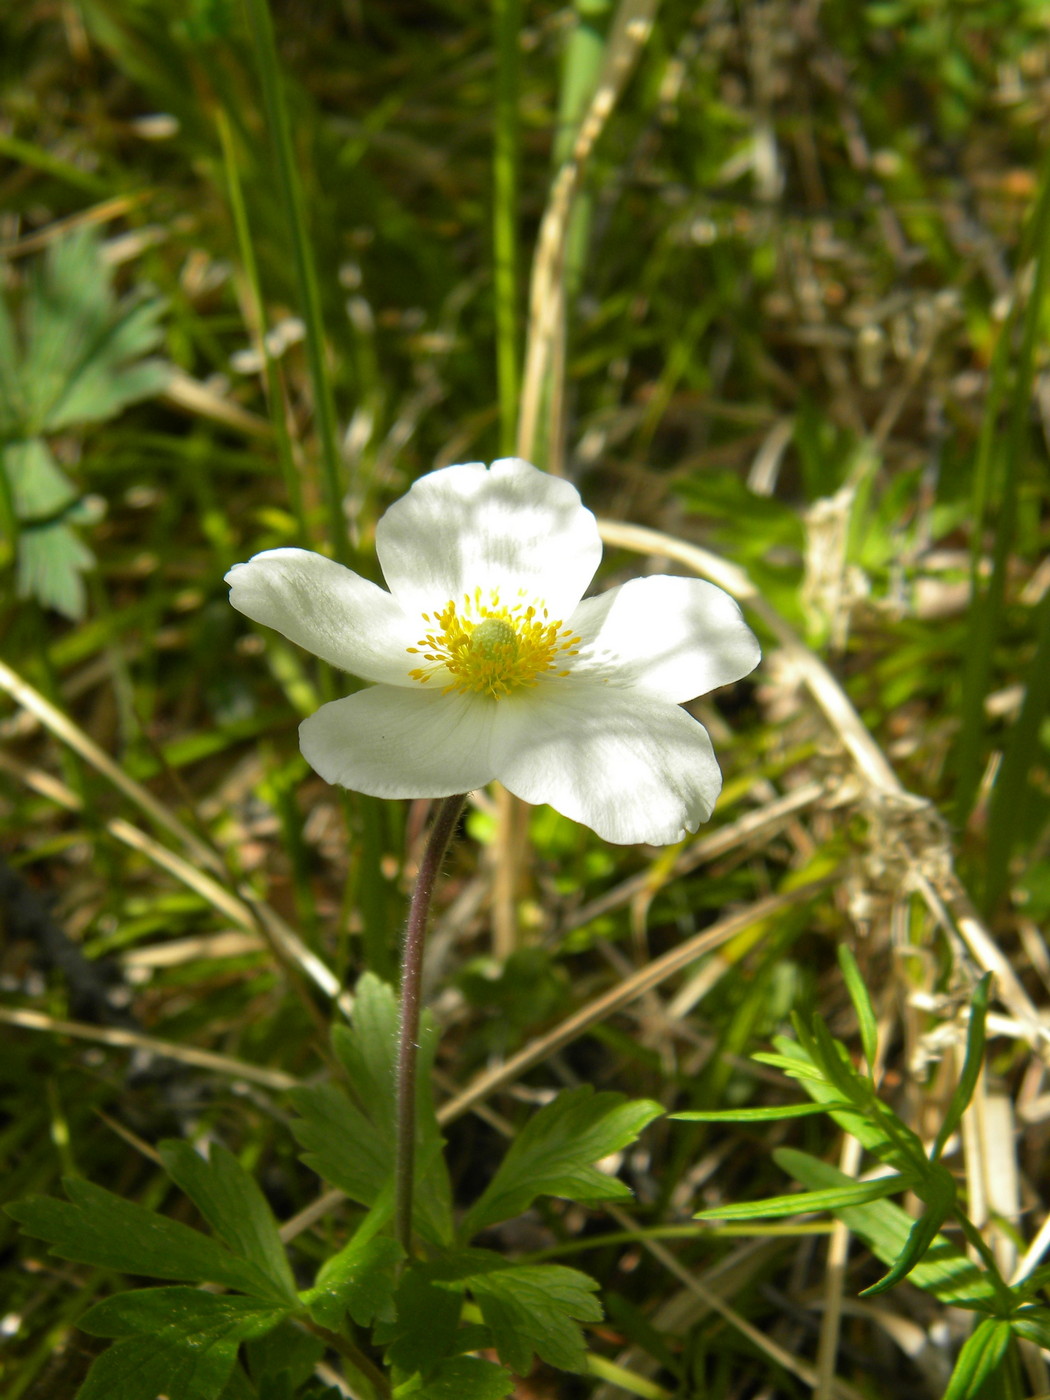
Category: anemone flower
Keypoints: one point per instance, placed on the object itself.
(486, 661)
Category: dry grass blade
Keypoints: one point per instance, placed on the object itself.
(622, 995)
(248, 913)
(912, 826)
(189, 394)
(791, 1363)
(761, 822)
(133, 1040)
(630, 29)
(63, 728)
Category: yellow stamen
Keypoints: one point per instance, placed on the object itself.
(485, 647)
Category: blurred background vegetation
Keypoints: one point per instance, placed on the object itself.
(260, 271)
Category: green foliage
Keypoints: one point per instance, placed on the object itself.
(97, 1227)
(552, 1156)
(234, 1207)
(913, 1249)
(712, 361)
(526, 1307)
(424, 1313)
(173, 1341)
(350, 1137)
(73, 357)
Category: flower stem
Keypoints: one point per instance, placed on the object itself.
(408, 1031)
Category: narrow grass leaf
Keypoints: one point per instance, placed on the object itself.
(971, 1070)
(884, 1227)
(980, 1356)
(758, 1115)
(1018, 807)
(290, 187)
(987, 608)
(832, 1198)
(858, 992)
(938, 1191)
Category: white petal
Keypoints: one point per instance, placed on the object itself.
(392, 742)
(327, 609)
(630, 767)
(508, 526)
(674, 638)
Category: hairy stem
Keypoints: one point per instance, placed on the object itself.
(408, 1031)
(354, 1355)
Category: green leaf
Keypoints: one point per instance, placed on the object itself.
(554, 1153)
(40, 491)
(286, 1350)
(757, 1115)
(858, 992)
(832, 1058)
(466, 1378)
(97, 1227)
(427, 1322)
(874, 1125)
(51, 564)
(884, 1227)
(81, 357)
(537, 1308)
(971, 1069)
(938, 1191)
(359, 1280)
(12, 408)
(178, 1342)
(831, 1198)
(981, 1354)
(1032, 1283)
(232, 1204)
(352, 1143)
(527, 1307)
(1033, 1324)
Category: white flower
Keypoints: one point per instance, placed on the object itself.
(486, 664)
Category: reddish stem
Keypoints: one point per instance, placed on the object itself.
(408, 1031)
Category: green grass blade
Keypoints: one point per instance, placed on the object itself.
(305, 270)
(1017, 806)
(988, 605)
(971, 1070)
(869, 1031)
(274, 395)
(507, 24)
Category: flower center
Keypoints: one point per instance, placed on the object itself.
(484, 646)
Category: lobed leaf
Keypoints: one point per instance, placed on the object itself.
(359, 1279)
(97, 1227)
(177, 1342)
(537, 1308)
(351, 1144)
(466, 1378)
(230, 1200)
(554, 1154)
(528, 1308)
